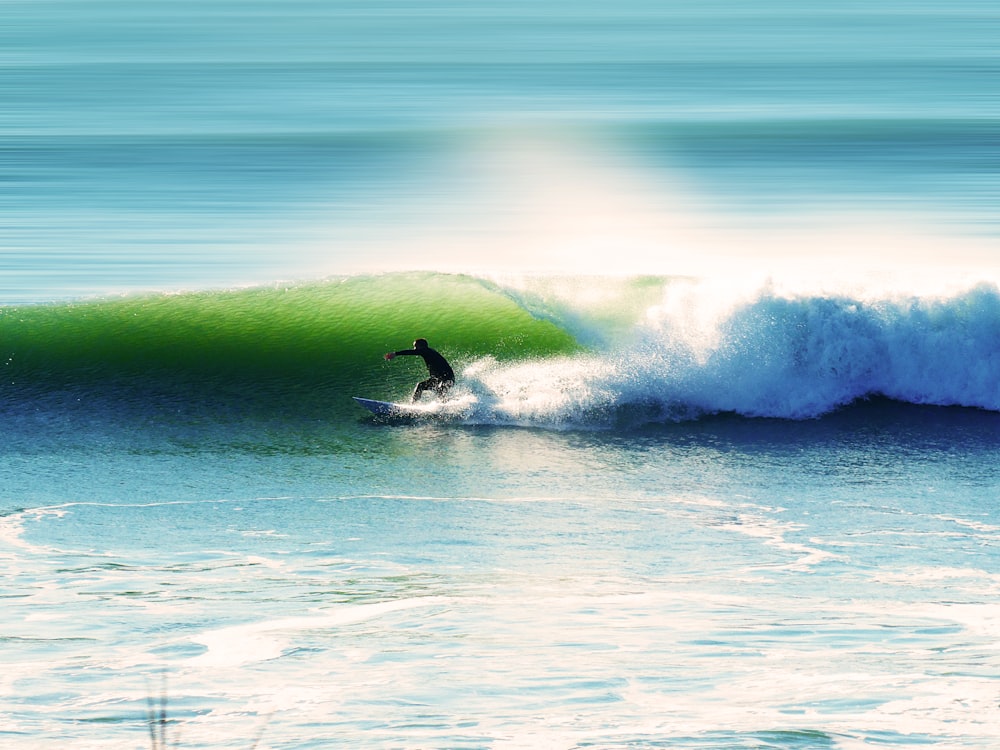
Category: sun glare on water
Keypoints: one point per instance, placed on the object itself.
(531, 203)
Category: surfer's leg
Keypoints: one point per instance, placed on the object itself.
(422, 386)
(441, 387)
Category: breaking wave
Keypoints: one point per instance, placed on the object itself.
(576, 352)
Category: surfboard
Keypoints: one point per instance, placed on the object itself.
(389, 408)
(450, 409)
(379, 408)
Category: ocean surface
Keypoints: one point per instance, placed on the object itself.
(721, 285)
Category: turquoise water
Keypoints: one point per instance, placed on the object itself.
(720, 287)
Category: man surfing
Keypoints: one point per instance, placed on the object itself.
(442, 377)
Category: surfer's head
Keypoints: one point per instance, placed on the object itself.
(420, 344)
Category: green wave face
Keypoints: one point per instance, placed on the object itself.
(269, 346)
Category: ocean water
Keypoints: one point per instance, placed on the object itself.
(720, 284)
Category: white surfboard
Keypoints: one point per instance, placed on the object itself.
(449, 410)
(390, 409)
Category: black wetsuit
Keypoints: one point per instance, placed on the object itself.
(442, 377)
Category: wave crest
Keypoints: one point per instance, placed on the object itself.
(760, 352)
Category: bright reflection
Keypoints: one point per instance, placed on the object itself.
(531, 202)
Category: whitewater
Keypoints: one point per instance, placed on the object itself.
(708, 347)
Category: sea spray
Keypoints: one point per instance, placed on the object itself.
(761, 350)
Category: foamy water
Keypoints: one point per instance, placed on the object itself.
(694, 589)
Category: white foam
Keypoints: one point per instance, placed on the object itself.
(759, 348)
(268, 639)
(12, 530)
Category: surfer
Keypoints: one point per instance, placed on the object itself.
(442, 377)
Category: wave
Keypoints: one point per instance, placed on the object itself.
(283, 346)
(536, 351)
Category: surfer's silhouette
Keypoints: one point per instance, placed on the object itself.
(442, 377)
